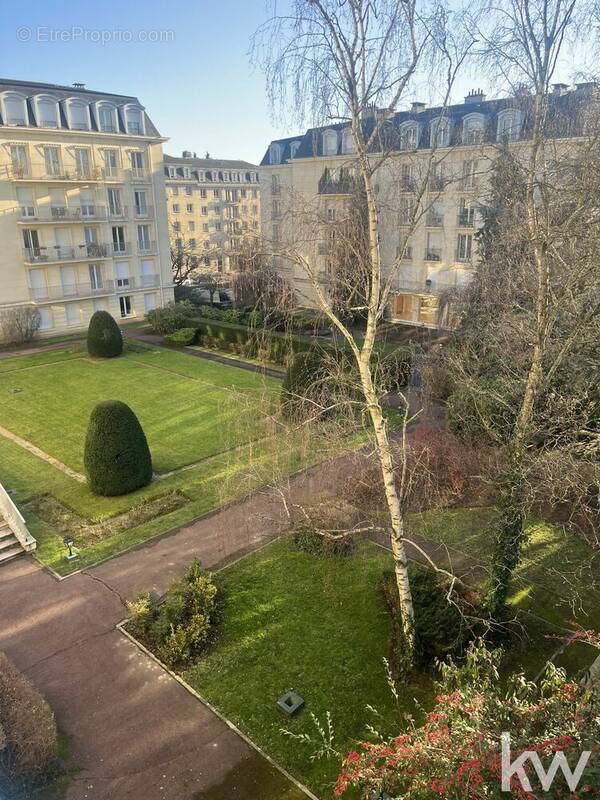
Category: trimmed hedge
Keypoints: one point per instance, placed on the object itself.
(117, 457)
(28, 736)
(182, 337)
(104, 337)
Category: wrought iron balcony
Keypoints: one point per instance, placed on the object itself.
(144, 248)
(146, 212)
(82, 252)
(54, 214)
(466, 219)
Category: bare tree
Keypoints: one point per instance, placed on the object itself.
(20, 324)
(344, 61)
(532, 311)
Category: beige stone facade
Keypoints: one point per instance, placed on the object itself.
(212, 205)
(83, 219)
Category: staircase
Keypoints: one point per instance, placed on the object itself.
(15, 538)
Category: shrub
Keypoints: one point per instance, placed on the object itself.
(28, 736)
(179, 627)
(170, 318)
(182, 337)
(117, 458)
(20, 325)
(488, 406)
(304, 387)
(104, 337)
(392, 369)
(326, 529)
(440, 627)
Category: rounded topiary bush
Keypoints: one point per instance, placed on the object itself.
(104, 338)
(117, 458)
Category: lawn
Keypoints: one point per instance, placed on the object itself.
(213, 419)
(318, 626)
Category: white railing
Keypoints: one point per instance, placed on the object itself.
(15, 521)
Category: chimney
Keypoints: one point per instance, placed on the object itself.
(586, 87)
(558, 89)
(474, 96)
(186, 154)
(195, 154)
(79, 85)
(417, 108)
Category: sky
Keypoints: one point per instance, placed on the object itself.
(187, 62)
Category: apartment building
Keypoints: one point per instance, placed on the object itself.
(83, 220)
(212, 204)
(446, 151)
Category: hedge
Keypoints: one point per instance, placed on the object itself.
(104, 337)
(182, 337)
(117, 458)
(28, 736)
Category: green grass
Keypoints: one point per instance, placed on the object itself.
(192, 410)
(319, 626)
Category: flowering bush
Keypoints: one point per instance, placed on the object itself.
(456, 753)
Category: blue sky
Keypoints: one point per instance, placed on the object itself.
(197, 84)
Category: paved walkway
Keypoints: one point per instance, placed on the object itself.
(135, 733)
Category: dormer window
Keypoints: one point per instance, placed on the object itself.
(14, 109)
(509, 125)
(172, 172)
(409, 136)
(347, 141)
(439, 132)
(274, 153)
(294, 149)
(473, 129)
(134, 120)
(78, 115)
(46, 112)
(107, 118)
(330, 143)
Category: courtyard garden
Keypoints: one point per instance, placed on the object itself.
(210, 429)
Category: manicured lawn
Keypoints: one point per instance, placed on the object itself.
(192, 410)
(318, 626)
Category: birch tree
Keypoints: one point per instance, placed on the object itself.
(355, 61)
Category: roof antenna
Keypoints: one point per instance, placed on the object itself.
(207, 154)
(79, 85)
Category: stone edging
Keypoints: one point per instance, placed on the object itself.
(215, 711)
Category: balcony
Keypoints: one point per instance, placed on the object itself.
(121, 249)
(82, 252)
(407, 183)
(464, 257)
(427, 287)
(113, 175)
(435, 219)
(436, 183)
(42, 294)
(433, 254)
(147, 212)
(41, 173)
(118, 212)
(56, 214)
(140, 175)
(145, 248)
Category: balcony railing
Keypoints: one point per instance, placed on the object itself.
(433, 254)
(437, 183)
(407, 183)
(83, 213)
(121, 248)
(435, 219)
(139, 174)
(426, 287)
(43, 293)
(112, 175)
(82, 252)
(464, 257)
(41, 173)
(118, 212)
(143, 213)
(144, 248)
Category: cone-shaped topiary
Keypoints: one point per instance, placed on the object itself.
(117, 458)
(104, 338)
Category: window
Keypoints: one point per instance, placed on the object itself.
(439, 132)
(82, 162)
(276, 233)
(179, 242)
(73, 313)
(255, 193)
(469, 174)
(18, 160)
(95, 272)
(464, 247)
(276, 210)
(205, 227)
(190, 208)
(118, 239)
(331, 214)
(148, 270)
(14, 109)
(46, 320)
(218, 226)
(191, 226)
(86, 203)
(347, 141)
(31, 241)
(149, 302)
(192, 243)
(189, 190)
(509, 125)
(122, 271)
(466, 213)
(137, 164)
(143, 234)
(52, 161)
(409, 136)
(275, 153)
(407, 206)
(330, 143)
(47, 112)
(216, 193)
(175, 191)
(407, 182)
(115, 208)
(231, 195)
(473, 129)
(294, 149)
(25, 200)
(111, 163)
(134, 120)
(204, 211)
(78, 116)
(203, 193)
(177, 226)
(176, 208)
(275, 185)
(125, 305)
(141, 205)
(107, 119)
